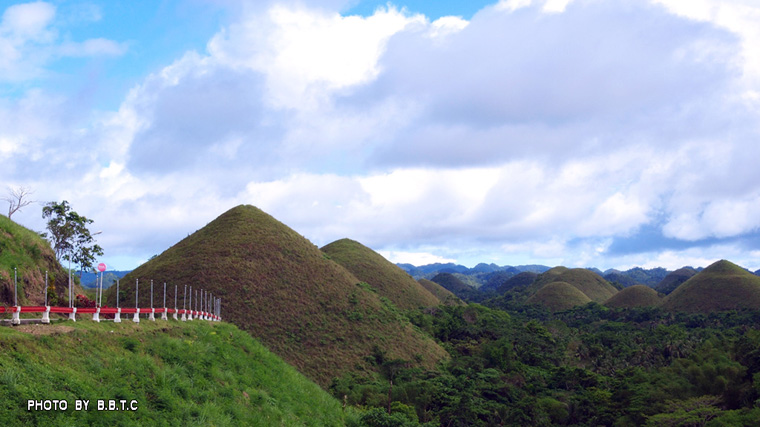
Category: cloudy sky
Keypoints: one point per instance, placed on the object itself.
(581, 133)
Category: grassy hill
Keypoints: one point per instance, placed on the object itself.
(443, 294)
(455, 285)
(634, 296)
(388, 279)
(586, 281)
(721, 286)
(524, 279)
(282, 289)
(31, 255)
(558, 296)
(179, 373)
(675, 279)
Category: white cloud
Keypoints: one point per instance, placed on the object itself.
(29, 42)
(542, 131)
(414, 258)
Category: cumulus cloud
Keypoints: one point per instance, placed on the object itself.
(558, 132)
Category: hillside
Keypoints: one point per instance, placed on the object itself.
(443, 294)
(178, 373)
(31, 255)
(586, 281)
(634, 296)
(455, 285)
(721, 286)
(524, 279)
(282, 289)
(389, 280)
(558, 296)
(675, 279)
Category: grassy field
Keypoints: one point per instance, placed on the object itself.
(177, 373)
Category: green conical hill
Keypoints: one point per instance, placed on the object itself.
(520, 280)
(387, 278)
(721, 286)
(31, 255)
(674, 279)
(634, 296)
(282, 289)
(558, 296)
(443, 294)
(586, 281)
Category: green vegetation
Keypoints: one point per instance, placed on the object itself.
(675, 279)
(721, 286)
(389, 280)
(31, 255)
(443, 294)
(282, 289)
(189, 373)
(635, 296)
(558, 296)
(586, 281)
(455, 285)
(588, 366)
(70, 236)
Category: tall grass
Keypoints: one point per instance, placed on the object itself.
(194, 373)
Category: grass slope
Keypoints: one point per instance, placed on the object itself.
(282, 289)
(558, 296)
(586, 281)
(721, 286)
(524, 279)
(31, 255)
(443, 294)
(180, 373)
(675, 279)
(634, 296)
(387, 278)
(455, 285)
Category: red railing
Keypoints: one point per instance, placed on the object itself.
(95, 311)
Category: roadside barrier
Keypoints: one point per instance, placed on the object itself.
(207, 307)
(96, 311)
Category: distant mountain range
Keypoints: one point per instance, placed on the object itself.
(489, 277)
(88, 279)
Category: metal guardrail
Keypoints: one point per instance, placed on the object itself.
(187, 315)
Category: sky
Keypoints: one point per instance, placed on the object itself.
(584, 133)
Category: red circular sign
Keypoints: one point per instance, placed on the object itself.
(101, 267)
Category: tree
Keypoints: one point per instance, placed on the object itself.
(17, 198)
(70, 236)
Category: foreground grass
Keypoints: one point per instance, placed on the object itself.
(192, 373)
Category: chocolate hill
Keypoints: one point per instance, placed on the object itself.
(589, 283)
(388, 279)
(721, 286)
(282, 289)
(674, 279)
(558, 296)
(634, 296)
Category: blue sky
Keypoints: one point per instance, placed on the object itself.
(572, 132)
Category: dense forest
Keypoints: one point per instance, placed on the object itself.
(513, 364)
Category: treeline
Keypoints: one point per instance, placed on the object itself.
(587, 366)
